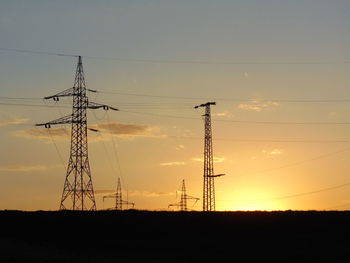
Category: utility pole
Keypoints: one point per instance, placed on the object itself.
(78, 193)
(184, 197)
(208, 175)
(119, 202)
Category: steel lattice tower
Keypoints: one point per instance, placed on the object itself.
(119, 202)
(208, 175)
(183, 201)
(184, 197)
(78, 193)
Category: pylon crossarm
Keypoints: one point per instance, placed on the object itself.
(191, 197)
(173, 205)
(205, 104)
(128, 203)
(216, 175)
(63, 120)
(66, 93)
(94, 105)
(109, 196)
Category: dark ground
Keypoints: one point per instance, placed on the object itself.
(143, 236)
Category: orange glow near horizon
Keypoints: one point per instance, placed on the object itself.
(251, 200)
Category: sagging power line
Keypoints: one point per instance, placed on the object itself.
(172, 61)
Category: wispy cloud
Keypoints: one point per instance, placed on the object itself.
(22, 168)
(216, 159)
(257, 105)
(115, 129)
(43, 133)
(173, 164)
(13, 122)
(128, 130)
(273, 152)
(180, 147)
(221, 114)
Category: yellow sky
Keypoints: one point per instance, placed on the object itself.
(265, 64)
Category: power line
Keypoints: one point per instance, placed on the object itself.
(172, 61)
(37, 52)
(310, 192)
(218, 62)
(201, 98)
(296, 195)
(28, 105)
(260, 141)
(302, 162)
(194, 118)
(229, 99)
(237, 121)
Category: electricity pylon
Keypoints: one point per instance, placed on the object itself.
(184, 197)
(119, 202)
(78, 193)
(208, 175)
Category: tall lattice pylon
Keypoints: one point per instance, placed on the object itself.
(208, 175)
(78, 193)
(184, 197)
(119, 202)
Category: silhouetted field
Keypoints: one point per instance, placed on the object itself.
(144, 236)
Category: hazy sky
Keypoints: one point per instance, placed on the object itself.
(258, 59)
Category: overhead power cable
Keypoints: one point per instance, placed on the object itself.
(321, 190)
(310, 192)
(252, 100)
(37, 52)
(260, 140)
(190, 118)
(302, 161)
(229, 99)
(237, 121)
(173, 61)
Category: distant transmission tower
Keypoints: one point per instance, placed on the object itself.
(208, 185)
(119, 202)
(184, 197)
(78, 193)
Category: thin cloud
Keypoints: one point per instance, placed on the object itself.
(22, 168)
(257, 105)
(115, 129)
(13, 122)
(43, 133)
(220, 114)
(216, 159)
(273, 152)
(128, 130)
(180, 147)
(173, 164)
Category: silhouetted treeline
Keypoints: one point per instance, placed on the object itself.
(145, 236)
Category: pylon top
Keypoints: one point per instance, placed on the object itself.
(205, 104)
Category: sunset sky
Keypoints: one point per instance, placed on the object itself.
(277, 69)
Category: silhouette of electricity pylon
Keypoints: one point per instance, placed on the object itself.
(184, 197)
(119, 202)
(208, 185)
(78, 193)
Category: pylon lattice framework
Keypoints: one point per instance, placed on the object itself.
(119, 202)
(208, 174)
(184, 197)
(78, 193)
